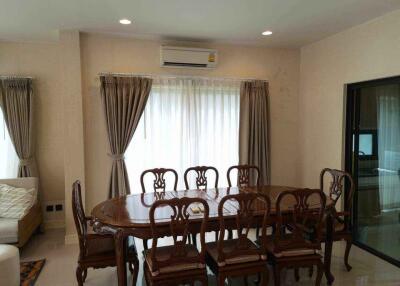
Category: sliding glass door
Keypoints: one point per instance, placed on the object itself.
(373, 158)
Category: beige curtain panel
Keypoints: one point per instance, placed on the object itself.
(254, 127)
(124, 100)
(17, 104)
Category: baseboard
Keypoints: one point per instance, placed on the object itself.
(71, 239)
(53, 224)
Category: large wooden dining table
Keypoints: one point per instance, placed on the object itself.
(129, 216)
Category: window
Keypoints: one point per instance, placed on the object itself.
(186, 122)
(9, 160)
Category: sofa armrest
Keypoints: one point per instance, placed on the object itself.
(29, 223)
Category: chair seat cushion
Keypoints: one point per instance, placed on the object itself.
(228, 246)
(99, 244)
(290, 252)
(8, 230)
(164, 253)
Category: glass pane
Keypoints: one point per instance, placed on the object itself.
(378, 196)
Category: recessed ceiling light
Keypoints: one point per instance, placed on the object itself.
(125, 21)
(266, 33)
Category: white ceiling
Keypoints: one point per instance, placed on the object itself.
(294, 22)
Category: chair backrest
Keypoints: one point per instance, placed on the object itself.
(179, 228)
(337, 185)
(201, 176)
(159, 183)
(303, 209)
(251, 208)
(246, 174)
(79, 215)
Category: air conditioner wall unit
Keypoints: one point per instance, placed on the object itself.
(182, 57)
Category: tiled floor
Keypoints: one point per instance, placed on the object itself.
(61, 262)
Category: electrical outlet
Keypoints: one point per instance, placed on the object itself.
(59, 207)
(49, 208)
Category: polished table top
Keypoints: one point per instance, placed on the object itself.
(132, 211)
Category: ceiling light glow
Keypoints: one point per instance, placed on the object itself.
(266, 33)
(125, 21)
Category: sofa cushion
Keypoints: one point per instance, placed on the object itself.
(8, 230)
(15, 202)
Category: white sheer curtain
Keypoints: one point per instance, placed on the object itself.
(8, 157)
(389, 146)
(186, 122)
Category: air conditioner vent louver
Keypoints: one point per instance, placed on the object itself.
(179, 57)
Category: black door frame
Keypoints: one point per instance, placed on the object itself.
(352, 119)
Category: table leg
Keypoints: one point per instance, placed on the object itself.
(119, 241)
(328, 249)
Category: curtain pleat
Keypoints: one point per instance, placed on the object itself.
(17, 105)
(124, 99)
(254, 127)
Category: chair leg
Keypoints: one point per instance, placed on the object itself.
(216, 236)
(296, 274)
(245, 282)
(310, 271)
(135, 272)
(257, 232)
(145, 247)
(221, 280)
(277, 275)
(230, 234)
(320, 269)
(84, 275)
(194, 239)
(346, 254)
(79, 275)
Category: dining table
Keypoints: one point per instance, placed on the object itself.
(128, 215)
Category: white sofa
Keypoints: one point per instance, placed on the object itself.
(18, 231)
(9, 265)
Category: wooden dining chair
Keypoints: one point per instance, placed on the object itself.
(96, 250)
(180, 263)
(159, 184)
(303, 210)
(245, 175)
(342, 220)
(201, 176)
(240, 256)
(201, 183)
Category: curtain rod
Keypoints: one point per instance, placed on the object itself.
(177, 76)
(15, 77)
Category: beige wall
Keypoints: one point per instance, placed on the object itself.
(368, 51)
(42, 61)
(107, 54)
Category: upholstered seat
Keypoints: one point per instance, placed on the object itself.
(164, 253)
(228, 246)
(288, 253)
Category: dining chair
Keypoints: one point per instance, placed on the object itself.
(159, 184)
(246, 174)
(96, 250)
(342, 219)
(181, 262)
(240, 256)
(201, 176)
(201, 183)
(303, 210)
